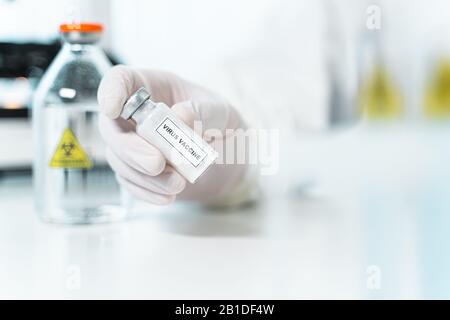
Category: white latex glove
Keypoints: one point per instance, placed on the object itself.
(139, 166)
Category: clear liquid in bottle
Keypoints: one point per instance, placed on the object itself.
(73, 182)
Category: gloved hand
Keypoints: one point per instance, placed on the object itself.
(139, 166)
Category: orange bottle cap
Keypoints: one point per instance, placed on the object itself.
(81, 27)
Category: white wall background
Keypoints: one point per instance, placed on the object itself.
(263, 54)
(30, 20)
(266, 55)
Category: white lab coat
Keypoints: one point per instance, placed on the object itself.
(266, 56)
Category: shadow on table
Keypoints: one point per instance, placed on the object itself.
(197, 221)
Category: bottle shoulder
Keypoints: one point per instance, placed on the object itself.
(73, 76)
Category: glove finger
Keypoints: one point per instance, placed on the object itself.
(120, 82)
(185, 111)
(119, 135)
(169, 182)
(144, 194)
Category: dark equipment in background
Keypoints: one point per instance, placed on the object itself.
(25, 61)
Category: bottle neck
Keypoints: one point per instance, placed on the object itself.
(81, 38)
(79, 47)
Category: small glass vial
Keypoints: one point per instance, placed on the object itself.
(185, 150)
(73, 182)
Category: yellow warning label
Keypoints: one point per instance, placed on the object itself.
(437, 96)
(69, 153)
(379, 98)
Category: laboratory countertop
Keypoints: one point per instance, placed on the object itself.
(179, 252)
(289, 245)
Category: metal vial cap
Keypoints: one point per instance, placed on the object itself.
(134, 102)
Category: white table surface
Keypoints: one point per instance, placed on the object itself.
(367, 244)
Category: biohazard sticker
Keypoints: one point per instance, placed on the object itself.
(69, 154)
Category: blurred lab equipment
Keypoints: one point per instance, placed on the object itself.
(432, 59)
(379, 94)
(73, 183)
(29, 42)
(21, 67)
(339, 59)
(379, 98)
(437, 91)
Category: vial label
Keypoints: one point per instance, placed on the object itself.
(184, 144)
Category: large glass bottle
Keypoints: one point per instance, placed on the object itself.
(73, 182)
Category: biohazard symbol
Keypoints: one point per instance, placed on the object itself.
(69, 153)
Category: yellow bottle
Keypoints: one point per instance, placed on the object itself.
(437, 93)
(379, 97)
